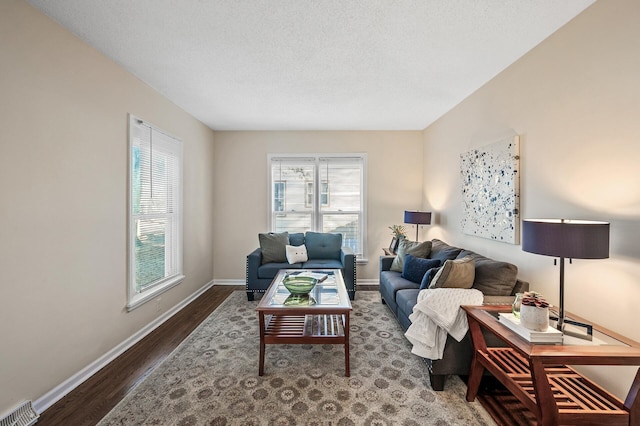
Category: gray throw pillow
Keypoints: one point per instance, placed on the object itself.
(458, 273)
(414, 248)
(494, 278)
(274, 247)
(443, 251)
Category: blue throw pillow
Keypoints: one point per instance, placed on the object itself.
(414, 268)
(296, 239)
(428, 277)
(323, 245)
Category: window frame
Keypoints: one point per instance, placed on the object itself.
(317, 213)
(136, 297)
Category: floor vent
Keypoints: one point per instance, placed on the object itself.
(24, 415)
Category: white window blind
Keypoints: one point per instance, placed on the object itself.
(323, 193)
(155, 218)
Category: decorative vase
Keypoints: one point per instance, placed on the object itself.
(534, 318)
(516, 305)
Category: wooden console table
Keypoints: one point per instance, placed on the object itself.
(539, 375)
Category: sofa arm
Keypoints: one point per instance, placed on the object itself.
(348, 259)
(254, 259)
(385, 263)
(520, 287)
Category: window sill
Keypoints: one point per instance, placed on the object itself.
(140, 299)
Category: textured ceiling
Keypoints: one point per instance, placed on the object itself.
(314, 64)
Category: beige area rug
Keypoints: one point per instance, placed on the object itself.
(212, 378)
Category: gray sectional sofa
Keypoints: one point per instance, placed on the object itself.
(324, 251)
(497, 280)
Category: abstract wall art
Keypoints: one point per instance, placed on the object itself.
(491, 191)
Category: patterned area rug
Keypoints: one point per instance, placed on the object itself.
(212, 378)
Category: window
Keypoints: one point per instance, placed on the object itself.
(324, 194)
(278, 196)
(155, 212)
(308, 194)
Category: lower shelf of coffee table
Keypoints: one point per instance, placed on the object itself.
(579, 400)
(304, 328)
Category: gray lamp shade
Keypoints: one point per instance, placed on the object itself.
(573, 239)
(418, 218)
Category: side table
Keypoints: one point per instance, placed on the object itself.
(539, 375)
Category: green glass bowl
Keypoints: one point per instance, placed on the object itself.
(299, 285)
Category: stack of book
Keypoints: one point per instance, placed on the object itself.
(551, 335)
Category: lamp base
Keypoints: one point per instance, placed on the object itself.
(587, 327)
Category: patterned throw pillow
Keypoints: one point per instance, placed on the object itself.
(296, 254)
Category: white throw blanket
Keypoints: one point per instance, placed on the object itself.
(437, 313)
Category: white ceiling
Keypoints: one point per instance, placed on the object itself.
(314, 64)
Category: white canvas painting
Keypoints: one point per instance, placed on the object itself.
(491, 191)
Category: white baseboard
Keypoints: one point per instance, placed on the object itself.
(241, 282)
(57, 393)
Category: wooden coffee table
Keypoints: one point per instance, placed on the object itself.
(322, 319)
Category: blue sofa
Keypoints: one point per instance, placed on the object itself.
(324, 251)
(497, 280)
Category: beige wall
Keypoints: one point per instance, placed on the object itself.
(394, 183)
(63, 188)
(575, 101)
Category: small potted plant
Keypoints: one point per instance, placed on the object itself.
(398, 234)
(399, 231)
(534, 311)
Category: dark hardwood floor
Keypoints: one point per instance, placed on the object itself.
(93, 399)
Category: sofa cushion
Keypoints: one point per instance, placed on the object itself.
(414, 248)
(406, 300)
(322, 264)
(493, 278)
(457, 273)
(273, 246)
(414, 268)
(269, 270)
(323, 245)
(443, 251)
(296, 239)
(296, 254)
(390, 283)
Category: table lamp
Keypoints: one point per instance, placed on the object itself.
(572, 239)
(417, 218)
